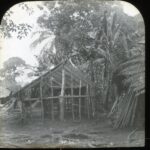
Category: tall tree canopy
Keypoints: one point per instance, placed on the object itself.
(12, 68)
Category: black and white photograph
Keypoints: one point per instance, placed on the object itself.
(72, 75)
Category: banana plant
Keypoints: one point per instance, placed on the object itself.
(110, 37)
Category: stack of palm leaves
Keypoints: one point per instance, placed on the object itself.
(126, 110)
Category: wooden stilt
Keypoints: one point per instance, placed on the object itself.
(72, 97)
(87, 93)
(30, 109)
(80, 100)
(52, 106)
(20, 103)
(62, 96)
(92, 100)
(41, 99)
(85, 106)
(23, 113)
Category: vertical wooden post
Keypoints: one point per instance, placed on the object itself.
(29, 107)
(41, 99)
(87, 93)
(52, 94)
(22, 106)
(92, 99)
(80, 99)
(20, 103)
(72, 97)
(62, 96)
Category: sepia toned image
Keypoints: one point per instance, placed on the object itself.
(72, 74)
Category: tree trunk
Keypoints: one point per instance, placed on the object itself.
(107, 95)
(41, 99)
(109, 82)
(92, 70)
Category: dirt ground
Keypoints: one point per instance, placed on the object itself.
(38, 134)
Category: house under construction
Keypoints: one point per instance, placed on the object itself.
(64, 92)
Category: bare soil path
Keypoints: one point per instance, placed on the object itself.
(66, 134)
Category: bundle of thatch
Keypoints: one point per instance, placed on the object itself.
(124, 110)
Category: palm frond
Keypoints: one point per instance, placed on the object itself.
(139, 77)
(42, 36)
(134, 72)
(138, 86)
(115, 36)
(37, 33)
(133, 69)
(140, 92)
(99, 60)
(102, 52)
(124, 42)
(134, 60)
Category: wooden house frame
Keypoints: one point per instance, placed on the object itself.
(63, 92)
